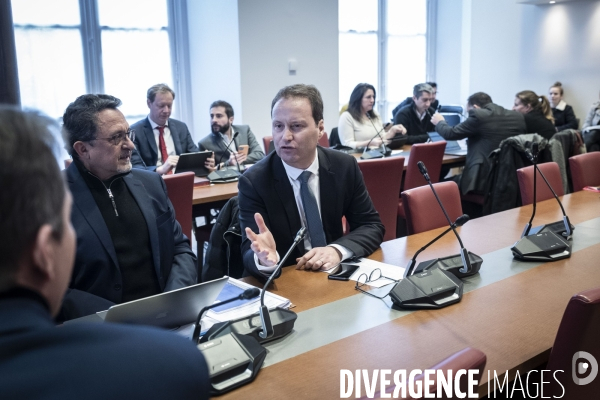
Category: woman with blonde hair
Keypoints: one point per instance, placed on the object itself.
(564, 117)
(537, 112)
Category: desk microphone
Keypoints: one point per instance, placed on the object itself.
(546, 242)
(563, 227)
(268, 324)
(369, 154)
(246, 295)
(464, 254)
(236, 146)
(232, 359)
(221, 176)
(435, 283)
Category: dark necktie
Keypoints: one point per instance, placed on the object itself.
(161, 143)
(311, 212)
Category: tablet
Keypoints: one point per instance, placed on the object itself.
(193, 162)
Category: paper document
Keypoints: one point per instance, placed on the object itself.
(367, 266)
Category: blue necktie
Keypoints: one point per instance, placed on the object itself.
(311, 212)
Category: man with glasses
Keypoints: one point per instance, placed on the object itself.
(129, 244)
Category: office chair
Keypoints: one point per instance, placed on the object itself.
(578, 332)
(382, 178)
(550, 171)
(180, 188)
(585, 170)
(423, 212)
(467, 358)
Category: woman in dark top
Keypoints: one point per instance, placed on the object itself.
(564, 117)
(537, 113)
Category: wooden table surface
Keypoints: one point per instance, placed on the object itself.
(513, 320)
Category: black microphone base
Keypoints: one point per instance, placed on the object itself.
(557, 227)
(233, 360)
(546, 246)
(431, 289)
(452, 264)
(371, 154)
(283, 323)
(224, 176)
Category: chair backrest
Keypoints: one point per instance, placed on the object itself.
(324, 141)
(452, 109)
(467, 359)
(578, 332)
(432, 155)
(550, 171)
(334, 137)
(382, 177)
(266, 143)
(423, 212)
(585, 170)
(180, 188)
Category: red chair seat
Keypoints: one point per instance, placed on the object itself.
(180, 188)
(550, 171)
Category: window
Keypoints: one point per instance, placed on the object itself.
(66, 48)
(384, 43)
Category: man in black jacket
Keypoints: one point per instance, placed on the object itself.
(80, 361)
(487, 125)
(416, 117)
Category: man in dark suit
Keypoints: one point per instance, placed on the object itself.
(37, 359)
(159, 139)
(435, 103)
(129, 244)
(221, 121)
(487, 125)
(302, 185)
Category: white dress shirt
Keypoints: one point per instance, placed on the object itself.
(313, 184)
(168, 140)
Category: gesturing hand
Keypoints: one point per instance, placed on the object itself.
(263, 244)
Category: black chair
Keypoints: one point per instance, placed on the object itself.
(334, 138)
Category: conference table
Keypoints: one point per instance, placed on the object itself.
(209, 198)
(511, 310)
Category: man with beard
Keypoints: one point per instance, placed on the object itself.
(160, 139)
(221, 120)
(129, 244)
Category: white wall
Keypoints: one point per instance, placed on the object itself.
(214, 59)
(275, 31)
(514, 47)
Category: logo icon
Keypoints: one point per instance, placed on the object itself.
(580, 367)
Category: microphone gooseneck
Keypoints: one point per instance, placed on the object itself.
(376, 135)
(227, 149)
(246, 295)
(463, 252)
(460, 221)
(265, 318)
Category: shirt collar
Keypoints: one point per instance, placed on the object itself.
(294, 172)
(154, 124)
(561, 105)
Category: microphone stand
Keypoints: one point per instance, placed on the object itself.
(225, 175)
(265, 318)
(369, 154)
(463, 251)
(567, 224)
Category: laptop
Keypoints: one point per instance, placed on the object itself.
(452, 146)
(170, 309)
(193, 162)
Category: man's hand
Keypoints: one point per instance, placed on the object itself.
(394, 130)
(263, 244)
(323, 258)
(168, 165)
(437, 118)
(241, 157)
(210, 163)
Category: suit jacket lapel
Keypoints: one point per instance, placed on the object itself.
(148, 134)
(85, 203)
(286, 195)
(327, 179)
(141, 197)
